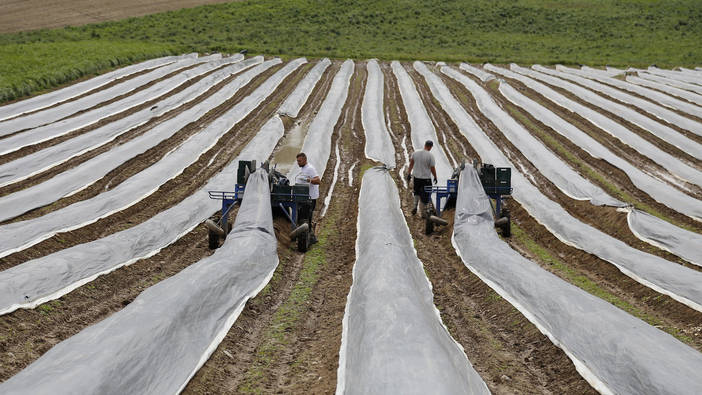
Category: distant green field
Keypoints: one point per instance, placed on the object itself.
(594, 32)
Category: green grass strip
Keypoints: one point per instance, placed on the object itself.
(574, 277)
(288, 316)
(593, 32)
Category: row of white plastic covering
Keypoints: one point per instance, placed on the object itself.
(86, 173)
(645, 105)
(91, 115)
(676, 75)
(64, 110)
(378, 143)
(677, 281)
(317, 145)
(615, 352)
(674, 165)
(671, 90)
(393, 340)
(648, 228)
(158, 342)
(36, 162)
(563, 176)
(69, 92)
(659, 130)
(657, 189)
(37, 281)
(20, 235)
(421, 126)
(293, 104)
(668, 81)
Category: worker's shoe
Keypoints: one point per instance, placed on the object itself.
(313, 239)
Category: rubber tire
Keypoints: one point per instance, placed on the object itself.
(506, 228)
(303, 241)
(428, 226)
(213, 239)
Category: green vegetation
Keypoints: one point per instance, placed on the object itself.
(574, 277)
(595, 32)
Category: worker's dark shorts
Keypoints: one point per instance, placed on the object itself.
(419, 184)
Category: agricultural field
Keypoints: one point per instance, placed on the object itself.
(119, 138)
(107, 275)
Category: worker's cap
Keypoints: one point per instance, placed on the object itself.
(429, 143)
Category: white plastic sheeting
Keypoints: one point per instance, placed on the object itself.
(677, 281)
(69, 92)
(378, 143)
(552, 167)
(39, 280)
(671, 90)
(656, 128)
(49, 157)
(482, 75)
(61, 111)
(615, 352)
(92, 116)
(676, 75)
(421, 126)
(667, 236)
(650, 229)
(653, 95)
(671, 82)
(317, 145)
(674, 165)
(293, 104)
(608, 72)
(393, 340)
(81, 176)
(157, 343)
(20, 235)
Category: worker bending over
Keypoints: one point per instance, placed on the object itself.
(308, 175)
(422, 163)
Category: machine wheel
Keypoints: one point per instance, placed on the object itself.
(428, 226)
(213, 239)
(507, 227)
(303, 241)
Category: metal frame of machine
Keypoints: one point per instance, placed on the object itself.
(291, 199)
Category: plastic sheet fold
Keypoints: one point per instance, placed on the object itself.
(84, 174)
(317, 145)
(43, 279)
(393, 340)
(672, 279)
(61, 111)
(20, 235)
(421, 126)
(378, 143)
(482, 75)
(552, 167)
(57, 96)
(44, 159)
(667, 236)
(293, 104)
(615, 352)
(674, 165)
(158, 342)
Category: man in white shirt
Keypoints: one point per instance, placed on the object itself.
(422, 162)
(308, 175)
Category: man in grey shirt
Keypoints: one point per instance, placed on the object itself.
(422, 162)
